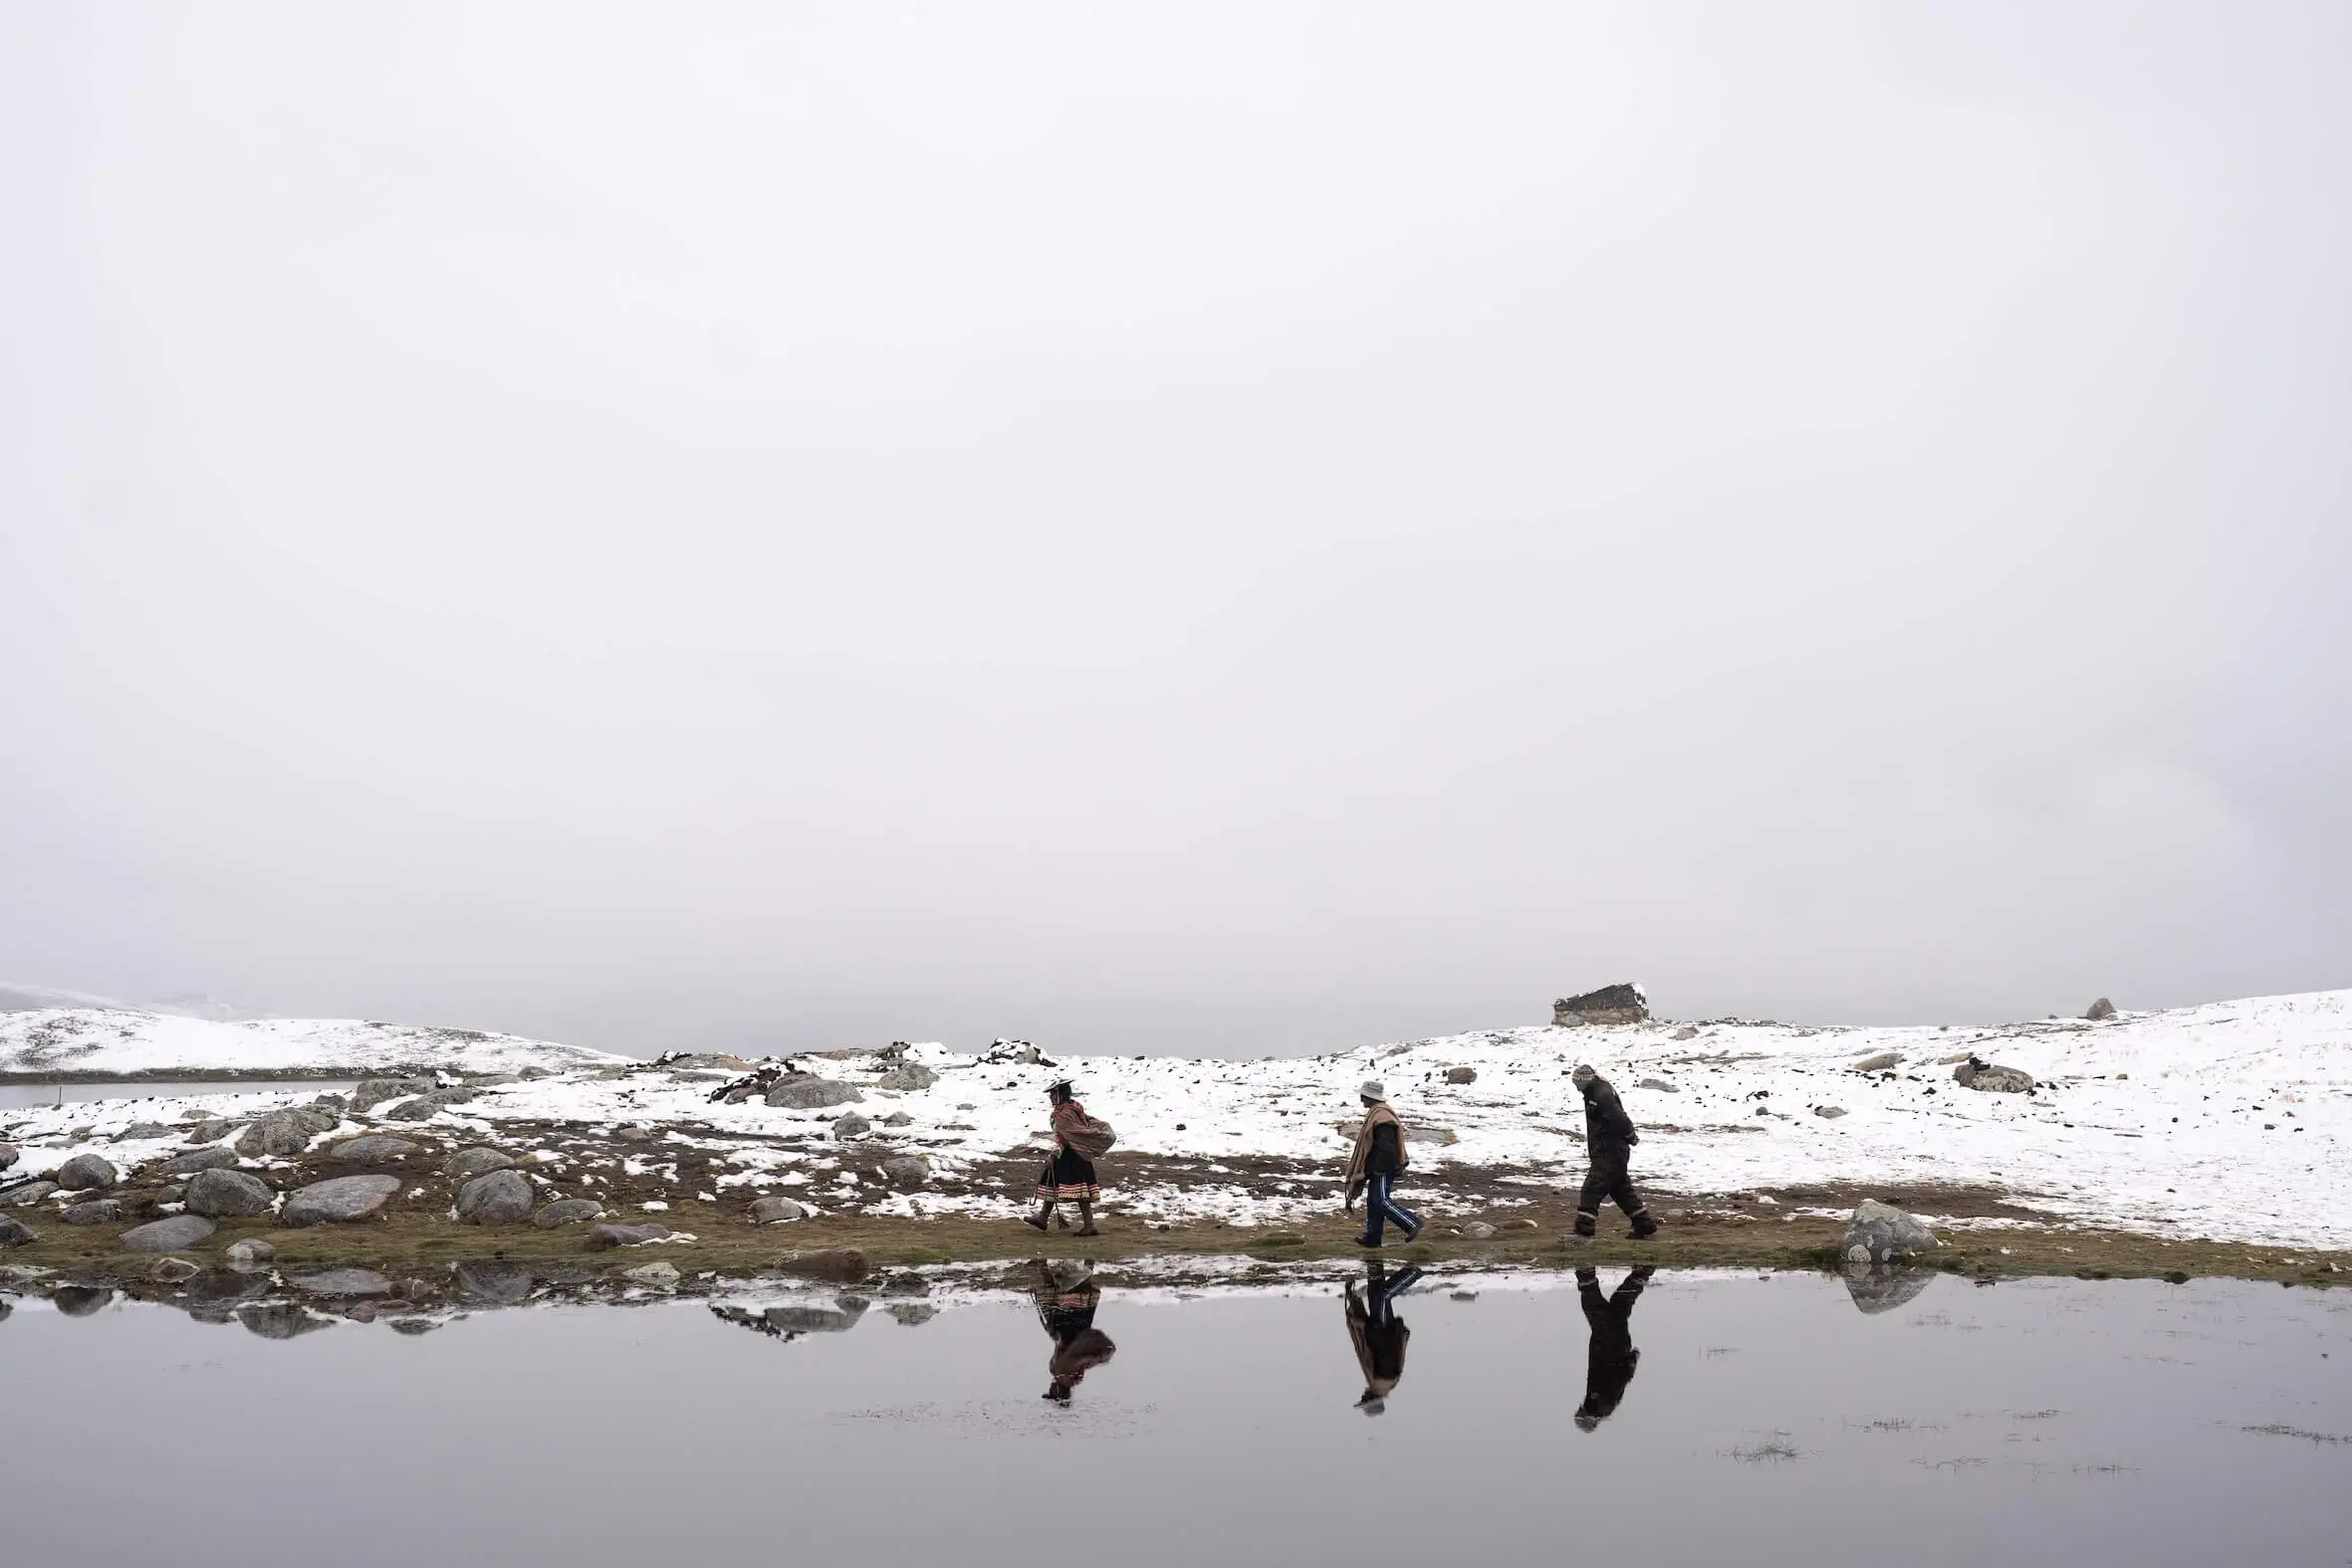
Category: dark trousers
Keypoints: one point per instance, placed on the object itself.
(1607, 1179)
(1379, 1205)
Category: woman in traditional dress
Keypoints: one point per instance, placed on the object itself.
(1068, 1177)
(1066, 1295)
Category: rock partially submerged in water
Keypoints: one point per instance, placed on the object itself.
(1876, 1288)
(340, 1199)
(251, 1256)
(1882, 1234)
(840, 1265)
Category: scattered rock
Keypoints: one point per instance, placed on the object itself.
(1686, 1033)
(906, 1172)
(480, 1160)
(1882, 1234)
(93, 1211)
(87, 1173)
(143, 1132)
(343, 1282)
(1662, 1085)
(372, 1092)
(177, 1193)
(175, 1234)
(808, 1092)
(897, 1119)
(223, 1193)
(609, 1236)
(339, 1198)
(634, 1132)
(851, 1126)
(1946, 1061)
(840, 1265)
(1462, 1075)
(15, 1232)
(1879, 1061)
(1477, 1230)
(567, 1210)
(251, 1256)
(498, 1198)
(330, 1102)
(373, 1149)
(1876, 1290)
(173, 1271)
(660, 1276)
(8, 1155)
(1829, 1112)
(427, 1106)
(1983, 1075)
(284, 1132)
(1609, 1004)
(776, 1210)
(907, 1076)
(28, 1192)
(200, 1159)
(209, 1130)
(2100, 1010)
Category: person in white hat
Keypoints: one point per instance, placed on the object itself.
(1379, 1160)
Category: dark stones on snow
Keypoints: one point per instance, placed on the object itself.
(223, 1194)
(426, 1106)
(906, 1172)
(168, 1236)
(498, 1198)
(340, 1199)
(1609, 1004)
(1462, 1075)
(87, 1173)
(1984, 1076)
(8, 1155)
(851, 1126)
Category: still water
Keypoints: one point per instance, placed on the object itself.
(14, 1095)
(1762, 1420)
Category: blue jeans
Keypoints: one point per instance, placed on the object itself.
(1380, 1203)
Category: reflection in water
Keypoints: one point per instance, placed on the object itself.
(1379, 1335)
(1611, 1358)
(1876, 1287)
(1066, 1297)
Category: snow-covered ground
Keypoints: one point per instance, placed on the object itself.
(2229, 1121)
(123, 1042)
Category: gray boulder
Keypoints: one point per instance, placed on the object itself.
(567, 1210)
(339, 1198)
(426, 1106)
(373, 1149)
(851, 1126)
(142, 1132)
(608, 1236)
(480, 1160)
(26, 1194)
(87, 1173)
(1986, 1077)
(215, 1158)
(14, 1232)
(92, 1211)
(906, 1172)
(175, 1234)
(1478, 1231)
(494, 1284)
(907, 1076)
(2100, 1010)
(281, 1320)
(777, 1211)
(1882, 1234)
(251, 1256)
(343, 1282)
(8, 1155)
(1879, 1061)
(372, 1092)
(210, 1130)
(1881, 1289)
(498, 1198)
(80, 1300)
(809, 1092)
(223, 1194)
(1462, 1075)
(282, 1133)
(1661, 1085)
(1609, 1004)
(659, 1276)
(1829, 1113)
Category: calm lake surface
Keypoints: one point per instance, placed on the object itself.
(13, 1094)
(1766, 1420)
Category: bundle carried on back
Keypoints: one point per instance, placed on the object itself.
(1088, 1137)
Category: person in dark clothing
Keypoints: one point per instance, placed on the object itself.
(1066, 1296)
(1378, 1334)
(1069, 1176)
(1609, 1363)
(1608, 1144)
(1379, 1159)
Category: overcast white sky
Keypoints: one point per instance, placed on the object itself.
(1226, 528)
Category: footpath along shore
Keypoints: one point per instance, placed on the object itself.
(2206, 1140)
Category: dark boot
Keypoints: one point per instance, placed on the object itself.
(1643, 1226)
(1038, 1221)
(1586, 1223)
(1086, 1219)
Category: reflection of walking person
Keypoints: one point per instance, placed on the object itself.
(1608, 1142)
(1066, 1296)
(1379, 1334)
(1609, 1364)
(1068, 1177)
(1372, 1169)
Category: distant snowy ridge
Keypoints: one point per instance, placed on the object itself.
(92, 1045)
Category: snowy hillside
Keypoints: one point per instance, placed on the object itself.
(105, 1042)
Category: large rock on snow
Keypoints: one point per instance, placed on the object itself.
(907, 1076)
(222, 1194)
(499, 1197)
(1882, 1234)
(340, 1199)
(175, 1234)
(851, 1126)
(8, 1155)
(1880, 1289)
(2100, 1010)
(283, 1133)
(1983, 1075)
(777, 1211)
(906, 1172)
(85, 1173)
(215, 1158)
(427, 1106)
(480, 1160)
(809, 1092)
(372, 1092)
(1609, 1004)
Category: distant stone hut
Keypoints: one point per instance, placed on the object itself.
(1609, 1004)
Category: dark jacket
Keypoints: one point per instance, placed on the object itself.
(1388, 1151)
(1607, 1126)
